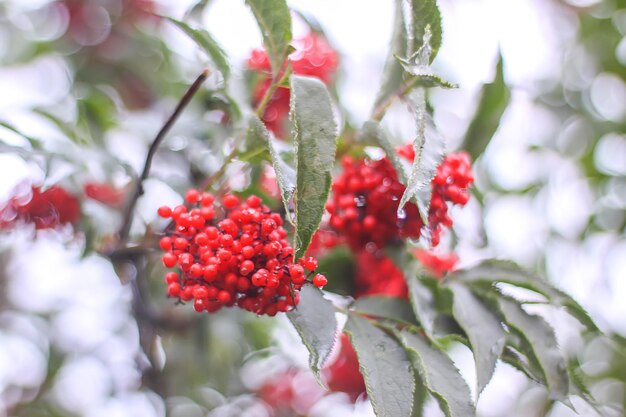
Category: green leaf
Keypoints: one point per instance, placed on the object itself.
(274, 20)
(517, 360)
(386, 307)
(494, 100)
(285, 174)
(494, 271)
(393, 74)
(483, 329)
(387, 371)
(314, 319)
(315, 136)
(540, 341)
(429, 148)
(440, 376)
(425, 13)
(423, 302)
(212, 48)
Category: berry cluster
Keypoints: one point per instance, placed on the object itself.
(45, 209)
(313, 56)
(232, 253)
(377, 274)
(365, 199)
(343, 373)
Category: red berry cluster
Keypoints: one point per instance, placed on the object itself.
(377, 274)
(232, 253)
(343, 373)
(45, 209)
(313, 56)
(365, 199)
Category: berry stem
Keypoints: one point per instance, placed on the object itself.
(138, 192)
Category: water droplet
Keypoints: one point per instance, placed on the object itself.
(401, 214)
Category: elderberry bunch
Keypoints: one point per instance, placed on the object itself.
(232, 253)
(365, 199)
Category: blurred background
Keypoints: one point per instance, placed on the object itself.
(84, 85)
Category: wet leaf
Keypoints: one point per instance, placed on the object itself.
(540, 341)
(206, 41)
(484, 330)
(494, 100)
(274, 20)
(315, 136)
(439, 375)
(386, 368)
(314, 319)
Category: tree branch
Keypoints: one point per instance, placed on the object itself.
(138, 192)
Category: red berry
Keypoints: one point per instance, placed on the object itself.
(296, 270)
(173, 289)
(319, 280)
(164, 211)
(309, 263)
(230, 201)
(165, 243)
(171, 277)
(169, 260)
(192, 196)
(223, 297)
(206, 199)
(246, 267)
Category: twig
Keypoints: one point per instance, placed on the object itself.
(130, 208)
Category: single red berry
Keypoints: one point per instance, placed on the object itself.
(186, 294)
(165, 243)
(180, 243)
(246, 267)
(192, 196)
(199, 305)
(171, 277)
(230, 201)
(210, 273)
(309, 263)
(319, 280)
(196, 271)
(296, 271)
(173, 289)
(164, 211)
(223, 297)
(169, 260)
(206, 199)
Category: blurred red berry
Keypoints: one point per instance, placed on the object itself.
(343, 374)
(376, 274)
(45, 209)
(437, 264)
(105, 193)
(313, 56)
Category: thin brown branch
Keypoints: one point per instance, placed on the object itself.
(138, 191)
